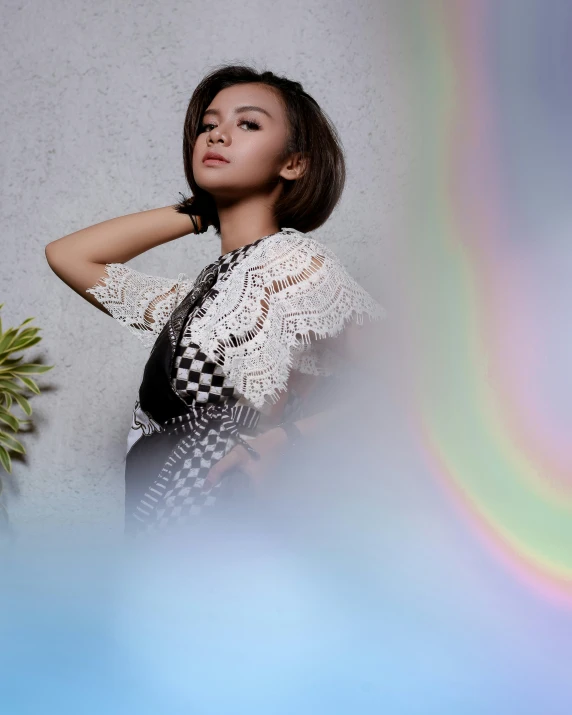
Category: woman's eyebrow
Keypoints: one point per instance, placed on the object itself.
(237, 110)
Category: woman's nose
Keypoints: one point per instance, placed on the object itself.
(217, 134)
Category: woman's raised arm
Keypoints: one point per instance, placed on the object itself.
(79, 258)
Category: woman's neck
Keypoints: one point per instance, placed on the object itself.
(244, 222)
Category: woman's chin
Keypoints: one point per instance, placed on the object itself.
(212, 183)
(222, 190)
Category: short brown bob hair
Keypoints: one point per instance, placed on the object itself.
(306, 203)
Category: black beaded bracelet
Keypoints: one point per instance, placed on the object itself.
(294, 434)
(186, 206)
(195, 224)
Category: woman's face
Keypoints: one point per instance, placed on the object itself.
(252, 140)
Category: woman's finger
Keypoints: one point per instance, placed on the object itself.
(230, 460)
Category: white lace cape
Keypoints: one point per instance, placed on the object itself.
(283, 295)
(276, 303)
(140, 302)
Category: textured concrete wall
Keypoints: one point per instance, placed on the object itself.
(94, 102)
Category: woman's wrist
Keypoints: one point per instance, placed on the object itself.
(191, 207)
(279, 436)
(291, 431)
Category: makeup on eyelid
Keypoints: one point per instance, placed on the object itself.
(251, 122)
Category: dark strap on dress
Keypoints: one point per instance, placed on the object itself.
(198, 417)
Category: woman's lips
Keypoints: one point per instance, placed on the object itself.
(214, 157)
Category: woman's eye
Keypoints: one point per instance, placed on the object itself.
(252, 125)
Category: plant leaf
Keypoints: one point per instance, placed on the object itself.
(7, 370)
(31, 368)
(11, 443)
(20, 343)
(30, 384)
(23, 402)
(27, 332)
(11, 361)
(8, 338)
(26, 342)
(9, 386)
(9, 419)
(5, 460)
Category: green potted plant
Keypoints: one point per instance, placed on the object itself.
(12, 370)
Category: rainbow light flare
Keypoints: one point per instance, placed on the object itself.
(480, 423)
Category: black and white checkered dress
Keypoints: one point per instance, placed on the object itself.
(218, 419)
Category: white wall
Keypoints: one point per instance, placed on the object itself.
(94, 102)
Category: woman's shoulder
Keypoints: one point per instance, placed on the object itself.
(290, 240)
(292, 252)
(310, 265)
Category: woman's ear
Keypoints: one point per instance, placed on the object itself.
(295, 167)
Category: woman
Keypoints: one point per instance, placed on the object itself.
(240, 354)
